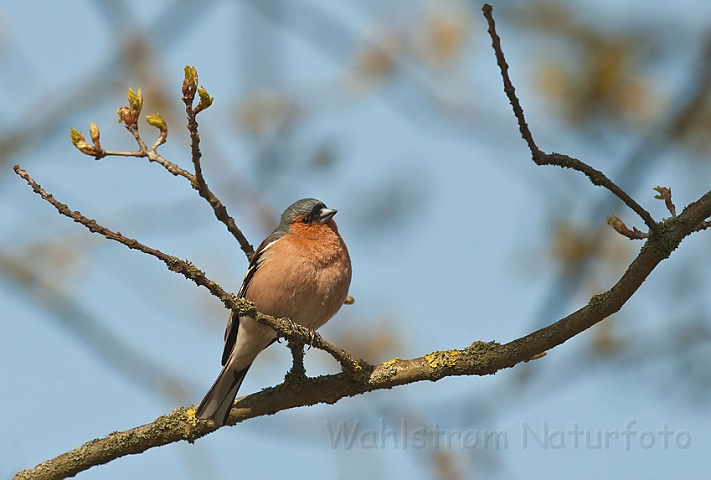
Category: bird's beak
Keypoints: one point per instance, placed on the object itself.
(326, 214)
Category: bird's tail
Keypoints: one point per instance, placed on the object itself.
(219, 399)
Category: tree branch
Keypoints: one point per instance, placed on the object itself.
(539, 157)
(478, 359)
(129, 116)
(174, 264)
(284, 327)
(189, 90)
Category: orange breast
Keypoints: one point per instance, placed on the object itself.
(305, 276)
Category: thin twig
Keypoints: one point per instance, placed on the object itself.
(159, 141)
(541, 158)
(615, 222)
(174, 264)
(133, 128)
(98, 152)
(600, 179)
(355, 368)
(129, 116)
(666, 195)
(201, 185)
(295, 332)
(508, 86)
(153, 156)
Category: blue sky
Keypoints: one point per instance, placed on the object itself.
(455, 235)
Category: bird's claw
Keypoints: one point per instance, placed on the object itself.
(314, 335)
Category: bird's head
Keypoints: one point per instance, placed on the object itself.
(307, 217)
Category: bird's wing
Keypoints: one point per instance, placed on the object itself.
(233, 322)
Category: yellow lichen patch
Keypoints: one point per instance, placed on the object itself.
(596, 299)
(446, 358)
(391, 362)
(192, 419)
(385, 371)
(357, 373)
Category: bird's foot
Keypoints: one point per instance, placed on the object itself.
(292, 326)
(313, 334)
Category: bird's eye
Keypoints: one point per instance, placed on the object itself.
(305, 220)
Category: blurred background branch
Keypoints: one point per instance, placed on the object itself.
(392, 113)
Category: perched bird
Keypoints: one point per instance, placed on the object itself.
(301, 271)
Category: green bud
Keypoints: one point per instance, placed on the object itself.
(135, 101)
(191, 75)
(191, 80)
(76, 137)
(94, 132)
(663, 192)
(79, 142)
(156, 120)
(123, 113)
(205, 99)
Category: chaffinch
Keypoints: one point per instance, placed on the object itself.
(301, 271)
